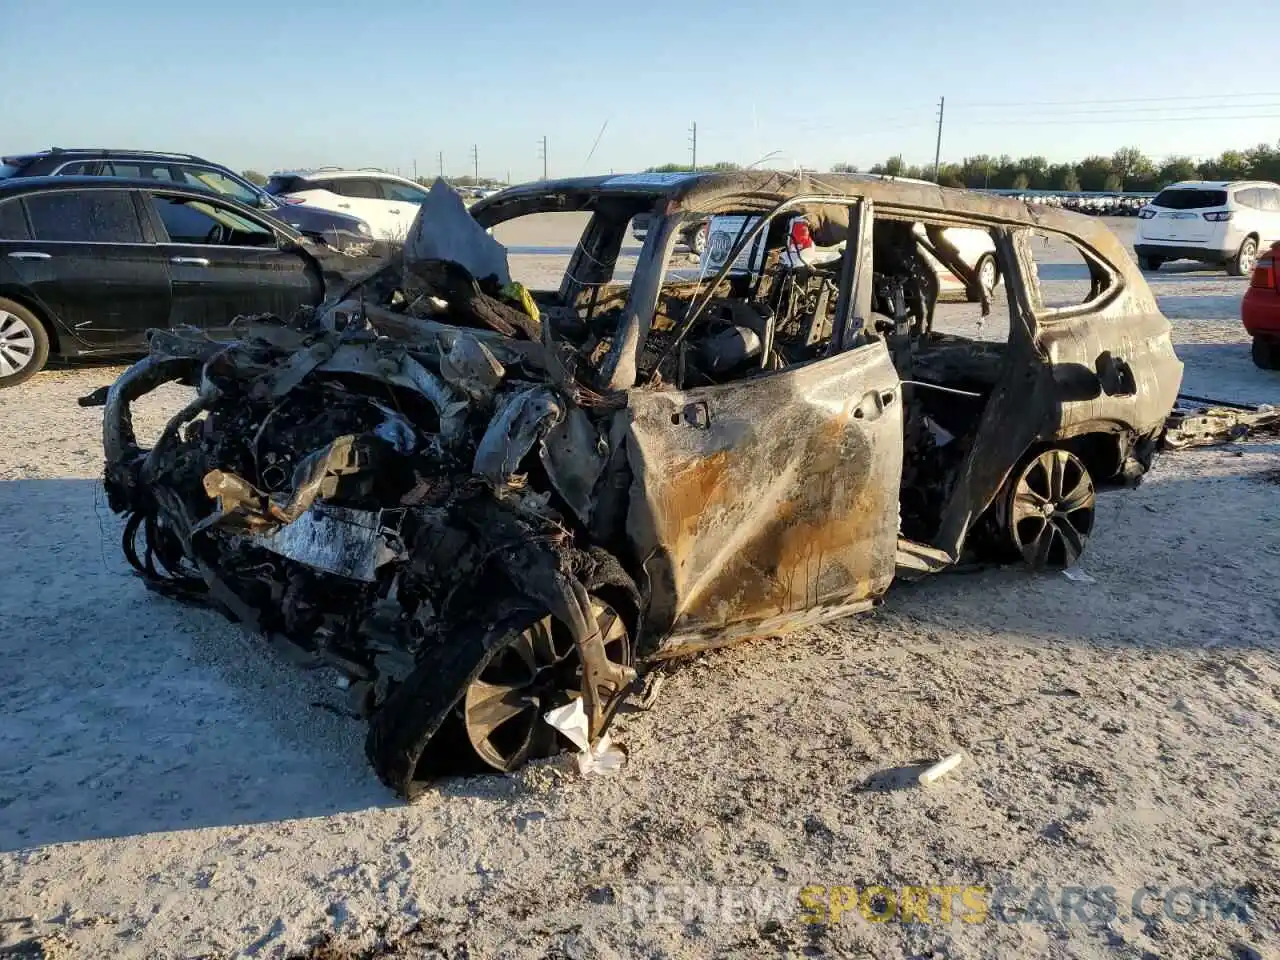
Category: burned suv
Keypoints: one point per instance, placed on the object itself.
(482, 503)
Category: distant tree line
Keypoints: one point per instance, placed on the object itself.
(724, 166)
(1127, 169)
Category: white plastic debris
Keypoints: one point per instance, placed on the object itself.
(1076, 575)
(940, 769)
(571, 720)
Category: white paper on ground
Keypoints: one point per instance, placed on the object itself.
(571, 720)
(1076, 575)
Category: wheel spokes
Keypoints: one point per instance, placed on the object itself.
(1029, 503)
(1036, 553)
(1072, 540)
(1051, 510)
(1080, 497)
(1057, 468)
(490, 705)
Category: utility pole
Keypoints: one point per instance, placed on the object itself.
(937, 154)
(440, 160)
(475, 160)
(542, 153)
(693, 143)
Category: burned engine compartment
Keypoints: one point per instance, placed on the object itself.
(357, 499)
(407, 509)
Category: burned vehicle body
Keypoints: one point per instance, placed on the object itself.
(480, 503)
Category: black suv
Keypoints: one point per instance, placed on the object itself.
(339, 230)
(89, 264)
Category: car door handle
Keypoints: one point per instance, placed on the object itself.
(191, 261)
(344, 206)
(29, 255)
(393, 211)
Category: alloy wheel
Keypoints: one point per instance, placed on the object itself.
(17, 344)
(1248, 257)
(530, 673)
(1051, 511)
(987, 276)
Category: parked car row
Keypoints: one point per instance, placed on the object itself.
(339, 229)
(89, 263)
(1095, 204)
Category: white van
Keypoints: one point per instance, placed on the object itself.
(1216, 222)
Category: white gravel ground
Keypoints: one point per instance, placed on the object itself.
(170, 789)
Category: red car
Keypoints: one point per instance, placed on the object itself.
(1261, 310)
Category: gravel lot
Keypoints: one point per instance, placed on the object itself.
(170, 789)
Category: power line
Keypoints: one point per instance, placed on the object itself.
(1028, 121)
(1070, 103)
(587, 162)
(1132, 110)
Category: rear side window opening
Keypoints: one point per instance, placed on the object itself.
(99, 216)
(1187, 198)
(8, 170)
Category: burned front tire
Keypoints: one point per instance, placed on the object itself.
(1046, 511)
(479, 704)
(527, 674)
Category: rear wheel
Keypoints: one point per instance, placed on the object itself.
(1048, 510)
(1150, 264)
(24, 344)
(1241, 265)
(1266, 353)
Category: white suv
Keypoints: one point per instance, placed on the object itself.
(386, 202)
(1210, 221)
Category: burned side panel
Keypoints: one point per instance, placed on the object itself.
(755, 501)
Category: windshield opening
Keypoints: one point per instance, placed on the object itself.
(774, 306)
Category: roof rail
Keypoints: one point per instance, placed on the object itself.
(115, 152)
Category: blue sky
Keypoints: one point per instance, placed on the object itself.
(282, 84)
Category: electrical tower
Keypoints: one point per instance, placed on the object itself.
(475, 160)
(542, 155)
(693, 143)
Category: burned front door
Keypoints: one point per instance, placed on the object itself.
(762, 505)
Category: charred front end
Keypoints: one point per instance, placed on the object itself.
(407, 510)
